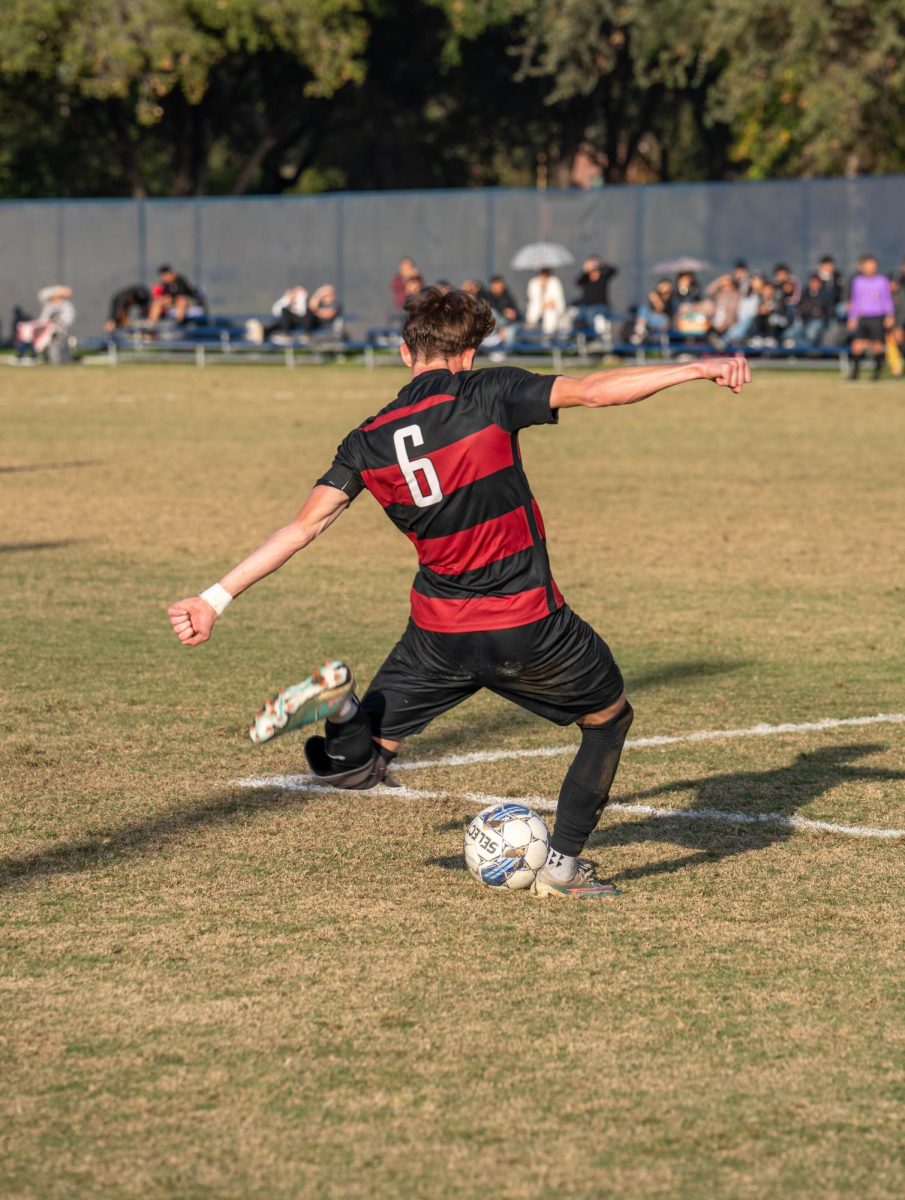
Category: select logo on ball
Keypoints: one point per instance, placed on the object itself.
(505, 846)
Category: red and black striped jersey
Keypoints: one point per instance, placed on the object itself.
(443, 460)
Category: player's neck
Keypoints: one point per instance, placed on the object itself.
(458, 362)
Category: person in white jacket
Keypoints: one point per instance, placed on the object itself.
(546, 302)
(48, 334)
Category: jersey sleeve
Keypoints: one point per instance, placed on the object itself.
(343, 473)
(515, 398)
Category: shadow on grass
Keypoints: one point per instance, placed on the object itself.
(449, 862)
(19, 547)
(141, 837)
(512, 720)
(779, 791)
(53, 466)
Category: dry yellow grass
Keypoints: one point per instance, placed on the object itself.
(208, 992)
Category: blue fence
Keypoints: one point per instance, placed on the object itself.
(245, 251)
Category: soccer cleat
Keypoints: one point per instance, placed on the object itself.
(320, 695)
(582, 885)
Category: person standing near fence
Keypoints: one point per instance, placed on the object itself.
(870, 314)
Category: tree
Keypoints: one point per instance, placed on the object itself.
(812, 88)
(177, 78)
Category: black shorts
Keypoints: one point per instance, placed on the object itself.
(870, 329)
(558, 668)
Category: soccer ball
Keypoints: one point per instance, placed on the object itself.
(506, 845)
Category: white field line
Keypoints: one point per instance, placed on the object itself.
(704, 735)
(304, 783)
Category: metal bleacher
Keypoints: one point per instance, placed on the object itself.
(225, 340)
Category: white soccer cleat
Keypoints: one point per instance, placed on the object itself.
(320, 695)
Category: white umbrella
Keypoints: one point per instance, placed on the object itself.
(541, 254)
(673, 266)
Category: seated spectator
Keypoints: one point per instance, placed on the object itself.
(593, 302)
(687, 290)
(657, 313)
(724, 295)
(747, 312)
(787, 283)
(128, 304)
(323, 309)
(174, 296)
(546, 302)
(772, 318)
(741, 277)
(443, 286)
(812, 316)
(474, 287)
(290, 311)
(398, 284)
(502, 300)
(413, 285)
(48, 333)
(871, 314)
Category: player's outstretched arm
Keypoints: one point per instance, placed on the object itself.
(193, 619)
(627, 385)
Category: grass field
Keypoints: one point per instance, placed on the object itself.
(215, 992)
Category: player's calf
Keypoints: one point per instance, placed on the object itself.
(584, 793)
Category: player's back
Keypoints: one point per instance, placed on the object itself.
(443, 461)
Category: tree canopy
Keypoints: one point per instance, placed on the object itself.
(156, 97)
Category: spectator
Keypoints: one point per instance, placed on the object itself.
(323, 309)
(443, 286)
(413, 285)
(897, 286)
(502, 301)
(174, 296)
(871, 312)
(656, 314)
(692, 311)
(772, 317)
(747, 312)
(742, 277)
(546, 302)
(812, 316)
(290, 310)
(129, 302)
(831, 280)
(723, 294)
(398, 284)
(788, 284)
(593, 304)
(48, 334)
(687, 290)
(474, 287)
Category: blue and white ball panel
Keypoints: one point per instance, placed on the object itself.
(497, 814)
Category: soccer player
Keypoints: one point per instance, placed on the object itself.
(443, 461)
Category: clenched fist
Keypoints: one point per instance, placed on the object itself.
(732, 373)
(192, 620)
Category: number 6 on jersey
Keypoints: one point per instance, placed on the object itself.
(409, 466)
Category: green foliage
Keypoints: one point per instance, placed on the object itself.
(193, 96)
(815, 87)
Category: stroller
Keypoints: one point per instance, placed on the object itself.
(49, 336)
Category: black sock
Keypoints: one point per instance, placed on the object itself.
(350, 744)
(586, 787)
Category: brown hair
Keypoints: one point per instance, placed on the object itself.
(444, 324)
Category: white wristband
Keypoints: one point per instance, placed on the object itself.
(217, 597)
